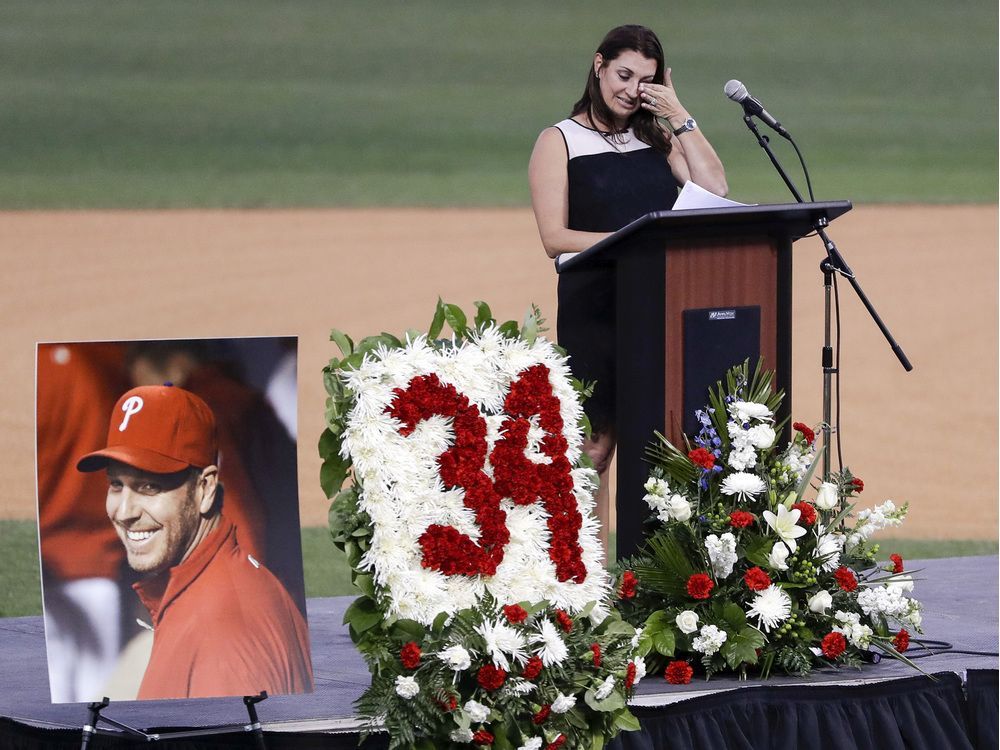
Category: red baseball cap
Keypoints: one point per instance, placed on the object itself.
(158, 428)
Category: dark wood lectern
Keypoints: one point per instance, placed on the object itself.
(697, 292)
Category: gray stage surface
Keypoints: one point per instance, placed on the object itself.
(960, 598)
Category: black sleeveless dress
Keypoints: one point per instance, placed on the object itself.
(610, 185)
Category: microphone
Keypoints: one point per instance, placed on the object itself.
(738, 93)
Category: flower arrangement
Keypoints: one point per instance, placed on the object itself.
(486, 615)
(747, 568)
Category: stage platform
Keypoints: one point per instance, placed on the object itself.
(960, 597)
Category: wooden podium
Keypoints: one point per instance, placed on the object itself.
(697, 292)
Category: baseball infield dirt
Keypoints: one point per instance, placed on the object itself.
(928, 437)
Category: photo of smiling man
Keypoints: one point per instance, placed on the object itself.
(222, 623)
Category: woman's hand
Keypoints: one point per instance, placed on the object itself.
(662, 101)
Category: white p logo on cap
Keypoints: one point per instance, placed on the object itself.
(132, 405)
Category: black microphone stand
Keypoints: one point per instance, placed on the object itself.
(833, 263)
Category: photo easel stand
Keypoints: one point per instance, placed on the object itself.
(91, 729)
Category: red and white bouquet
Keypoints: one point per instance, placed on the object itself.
(751, 565)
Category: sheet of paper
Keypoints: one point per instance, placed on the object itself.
(693, 196)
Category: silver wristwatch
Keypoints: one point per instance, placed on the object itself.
(689, 124)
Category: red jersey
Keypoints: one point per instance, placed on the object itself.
(223, 625)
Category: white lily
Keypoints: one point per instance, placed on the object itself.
(785, 525)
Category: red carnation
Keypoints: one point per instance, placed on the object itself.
(543, 714)
(630, 675)
(897, 563)
(532, 668)
(756, 579)
(699, 586)
(490, 677)
(807, 433)
(846, 579)
(596, 650)
(740, 519)
(564, 620)
(629, 584)
(807, 513)
(702, 457)
(857, 485)
(410, 655)
(482, 737)
(556, 743)
(902, 641)
(833, 645)
(515, 613)
(678, 673)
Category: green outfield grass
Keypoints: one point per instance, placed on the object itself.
(326, 569)
(251, 103)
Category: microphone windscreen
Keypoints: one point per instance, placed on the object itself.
(736, 90)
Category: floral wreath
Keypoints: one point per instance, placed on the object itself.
(485, 614)
(743, 572)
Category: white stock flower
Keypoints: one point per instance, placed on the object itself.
(785, 525)
(820, 602)
(903, 583)
(635, 638)
(687, 621)
(826, 497)
(476, 711)
(407, 687)
(743, 484)
(657, 486)
(850, 625)
(721, 553)
(456, 657)
(502, 640)
(709, 640)
(771, 606)
(552, 649)
(535, 743)
(777, 560)
(606, 688)
(883, 599)
(563, 703)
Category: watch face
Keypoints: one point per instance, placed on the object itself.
(689, 124)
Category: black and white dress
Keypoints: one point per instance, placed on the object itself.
(613, 180)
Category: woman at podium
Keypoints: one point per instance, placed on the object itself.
(626, 148)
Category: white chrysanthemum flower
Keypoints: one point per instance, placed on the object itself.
(744, 485)
(606, 688)
(503, 641)
(709, 640)
(463, 736)
(456, 657)
(563, 703)
(770, 606)
(777, 559)
(762, 436)
(407, 687)
(785, 525)
(552, 649)
(476, 711)
(519, 687)
(721, 553)
(535, 743)
(744, 411)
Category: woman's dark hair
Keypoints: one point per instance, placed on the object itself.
(641, 40)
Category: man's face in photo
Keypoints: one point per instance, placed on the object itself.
(156, 515)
